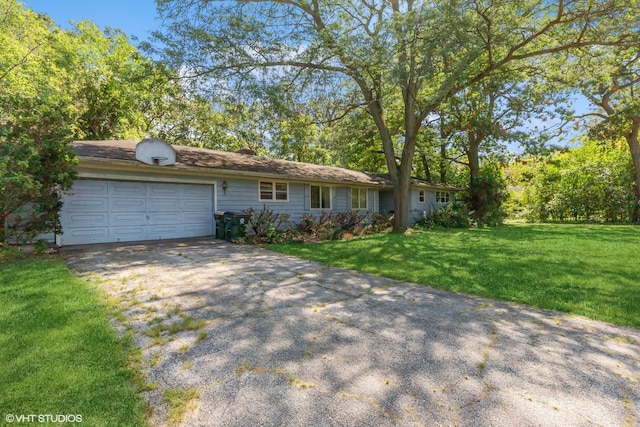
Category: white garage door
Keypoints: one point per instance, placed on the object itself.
(100, 211)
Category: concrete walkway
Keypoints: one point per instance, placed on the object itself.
(294, 343)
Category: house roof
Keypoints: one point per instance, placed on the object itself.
(223, 161)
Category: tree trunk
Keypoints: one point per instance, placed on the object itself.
(402, 193)
(634, 147)
(425, 166)
(403, 186)
(443, 164)
(476, 197)
(473, 159)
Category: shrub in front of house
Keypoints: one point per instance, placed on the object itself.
(329, 225)
(268, 226)
(449, 216)
(379, 223)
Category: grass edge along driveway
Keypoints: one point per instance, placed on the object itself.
(588, 270)
(60, 357)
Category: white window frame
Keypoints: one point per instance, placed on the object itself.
(357, 191)
(443, 197)
(320, 187)
(274, 191)
(422, 196)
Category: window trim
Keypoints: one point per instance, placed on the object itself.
(422, 196)
(366, 201)
(440, 195)
(320, 186)
(273, 191)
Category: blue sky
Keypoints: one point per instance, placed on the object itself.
(136, 18)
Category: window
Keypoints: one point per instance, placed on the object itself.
(320, 197)
(442, 197)
(359, 198)
(274, 191)
(421, 196)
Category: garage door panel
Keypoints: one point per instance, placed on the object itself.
(127, 205)
(156, 218)
(85, 204)
(195, 230)
(128, 189)
(85, 219)
(119, 211)
(93, 188)
(196, 192)
(127, 218)
(196, 217)
(163, 218)
(163, 204)
(79, 236)
(169, 231)
(163, 190)
(196, 205)
(128, 234)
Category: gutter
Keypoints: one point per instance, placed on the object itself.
(87, 165)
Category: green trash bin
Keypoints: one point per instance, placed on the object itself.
(235, 225)
(219, 217)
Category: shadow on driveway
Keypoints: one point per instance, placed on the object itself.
(268, 339)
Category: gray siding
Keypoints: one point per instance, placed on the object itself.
(244, 194)
(416, 208)
(429, 205)
(386, 201)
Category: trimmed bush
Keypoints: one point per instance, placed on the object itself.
(268, 226)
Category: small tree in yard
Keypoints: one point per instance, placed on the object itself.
(486, 194)
(36, 166)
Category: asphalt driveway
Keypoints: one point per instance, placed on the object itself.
(270, 340)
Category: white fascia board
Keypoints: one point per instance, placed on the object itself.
(98, 167)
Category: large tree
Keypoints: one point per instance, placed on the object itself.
(422, 52)
(610, 80)
(36, 122)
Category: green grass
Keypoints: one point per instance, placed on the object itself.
(580, 269)
(59, 355)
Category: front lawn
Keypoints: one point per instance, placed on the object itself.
(590, 270)
(59, 357)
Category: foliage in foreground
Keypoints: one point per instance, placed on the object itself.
(59, 353)
(579, 269)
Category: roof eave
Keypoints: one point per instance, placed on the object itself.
(102, 163)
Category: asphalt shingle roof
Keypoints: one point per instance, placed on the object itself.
(227, 161)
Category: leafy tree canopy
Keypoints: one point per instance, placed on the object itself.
(420, 52)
